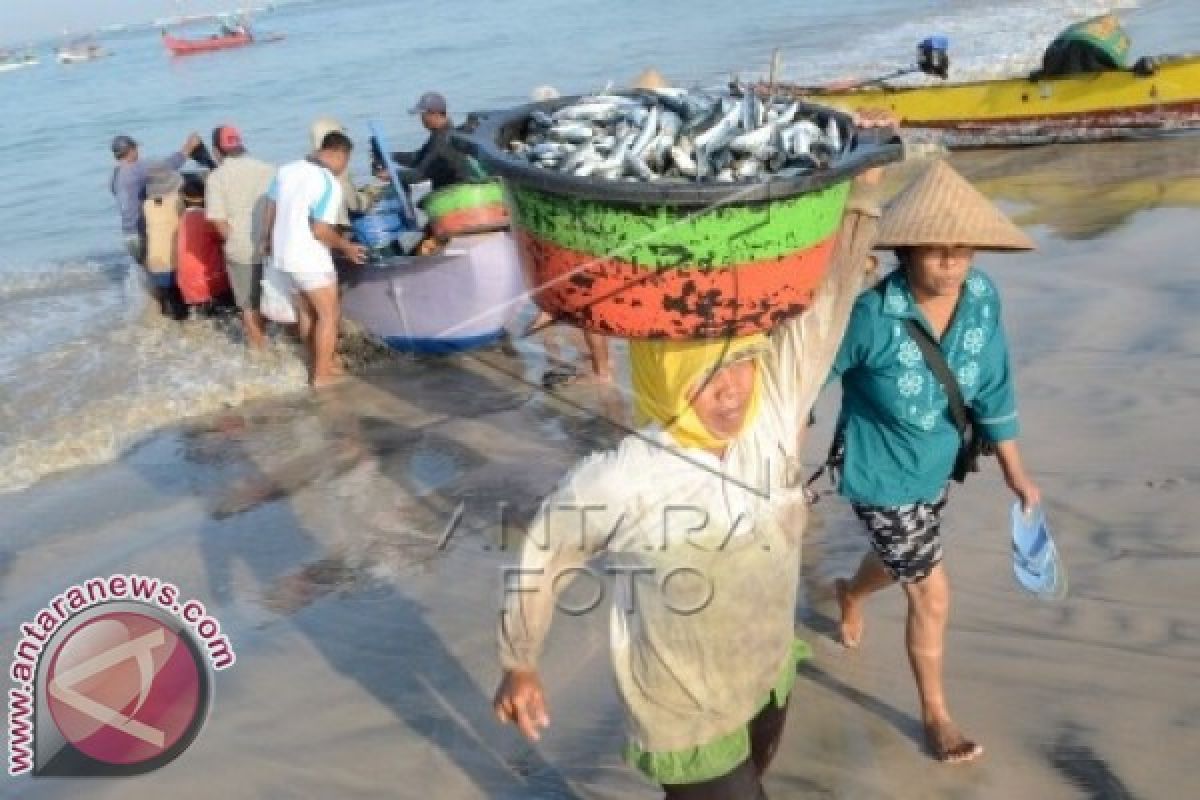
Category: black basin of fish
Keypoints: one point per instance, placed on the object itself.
(670, 259)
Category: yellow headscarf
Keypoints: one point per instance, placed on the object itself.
(666, 372)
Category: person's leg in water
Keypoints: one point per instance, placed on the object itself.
(254, 329)
(246, 285)
(925, 636)
(323, 304)
(303, 327)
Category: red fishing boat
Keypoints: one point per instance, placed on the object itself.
(222, 41)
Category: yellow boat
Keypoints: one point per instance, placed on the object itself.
(1155, 95)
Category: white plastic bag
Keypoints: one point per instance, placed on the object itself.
(276, 301)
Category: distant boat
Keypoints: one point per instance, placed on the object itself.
(233, 33)
(10, 61)
(79, 51)
(223, 41)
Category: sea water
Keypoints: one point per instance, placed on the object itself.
(86, 367)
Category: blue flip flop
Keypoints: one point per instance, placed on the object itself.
(1036, 563)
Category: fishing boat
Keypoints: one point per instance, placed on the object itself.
(80, 51)
(459, 299)
(1084, 92)
(224, 41)
(234, 32)
(10, 61)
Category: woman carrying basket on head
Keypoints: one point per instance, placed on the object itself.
(700, 517)
(924, 367)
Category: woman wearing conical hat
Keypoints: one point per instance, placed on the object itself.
(899, 439)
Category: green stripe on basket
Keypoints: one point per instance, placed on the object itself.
(658, 237)
(462, 196)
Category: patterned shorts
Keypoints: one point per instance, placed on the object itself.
(907, 539)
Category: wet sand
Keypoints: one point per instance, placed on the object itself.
(313, 528)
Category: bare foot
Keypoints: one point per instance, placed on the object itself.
(852, 616)
(948, 745)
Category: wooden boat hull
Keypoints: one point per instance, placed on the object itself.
(183, 47)
(1103, 105)
(458, 300)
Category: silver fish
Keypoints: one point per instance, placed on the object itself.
(638, 167)
(752, 141)
(719, 135)
(584, 112)
(574, 132)
(646, 135)
(833, 135)
(683, 161)
(748, 168)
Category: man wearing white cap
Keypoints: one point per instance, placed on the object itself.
(438, 160)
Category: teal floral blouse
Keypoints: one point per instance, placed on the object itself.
(901, 441)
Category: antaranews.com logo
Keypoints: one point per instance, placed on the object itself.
(112, 677)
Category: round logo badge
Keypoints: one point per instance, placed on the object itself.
(125, 688)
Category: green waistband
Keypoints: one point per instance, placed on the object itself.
(722, 755)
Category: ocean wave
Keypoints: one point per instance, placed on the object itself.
(90, 398)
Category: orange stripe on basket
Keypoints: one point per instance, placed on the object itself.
(617, 298)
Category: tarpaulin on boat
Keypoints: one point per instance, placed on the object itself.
(1098, 44)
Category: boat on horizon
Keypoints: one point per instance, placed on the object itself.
(11, 60)
(81, 50)
(233, 33)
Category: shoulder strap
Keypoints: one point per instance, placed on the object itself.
(936, 360)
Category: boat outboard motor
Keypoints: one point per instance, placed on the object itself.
(933, 57)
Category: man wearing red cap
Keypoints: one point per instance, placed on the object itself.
(236, 199)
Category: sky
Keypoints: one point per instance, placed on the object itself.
(31, 20)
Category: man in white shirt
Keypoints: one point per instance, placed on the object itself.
(302, 223)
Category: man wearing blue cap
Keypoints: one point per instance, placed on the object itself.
(128, 185)
(438, 160)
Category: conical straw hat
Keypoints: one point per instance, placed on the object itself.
(942, 208)
(650, 79)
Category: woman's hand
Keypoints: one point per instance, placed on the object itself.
(1025, 490)
(521, 701)
(1015, 476)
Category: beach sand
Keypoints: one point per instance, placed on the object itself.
(313, 528)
